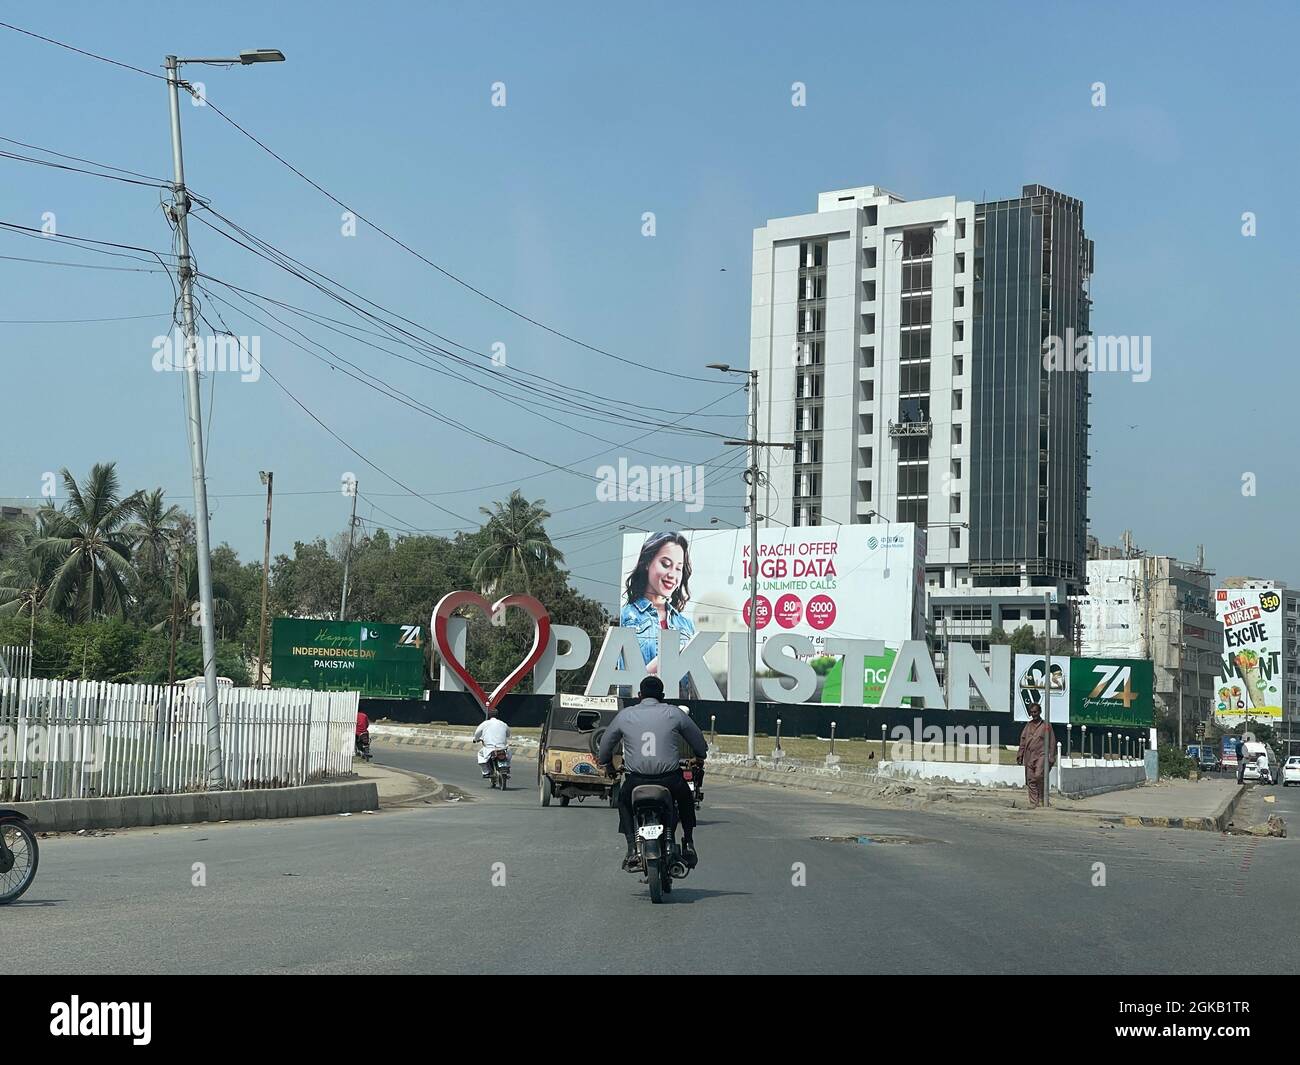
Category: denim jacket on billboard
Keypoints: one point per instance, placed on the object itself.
(642, 616)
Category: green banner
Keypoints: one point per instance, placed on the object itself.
(1112, 691)
(874, 675)
(373, 658)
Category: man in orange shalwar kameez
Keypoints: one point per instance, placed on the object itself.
(1032, 755)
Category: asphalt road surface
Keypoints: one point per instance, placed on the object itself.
(411, 890)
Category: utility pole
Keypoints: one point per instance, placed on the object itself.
(194, 426)
(347, 559)
(752, 477)
(268, 479)
(179, 212)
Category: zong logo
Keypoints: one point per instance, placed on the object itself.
(1116, 683)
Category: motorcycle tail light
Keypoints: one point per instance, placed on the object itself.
(687, 774)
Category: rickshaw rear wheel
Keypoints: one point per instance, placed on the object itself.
(544, 790)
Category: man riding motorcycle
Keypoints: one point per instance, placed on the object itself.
(649, 731)
(494, 734)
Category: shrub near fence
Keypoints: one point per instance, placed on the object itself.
(87, 739)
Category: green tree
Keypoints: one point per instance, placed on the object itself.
(25, 578)
(153, 533)
(89, 545)
(1025, 641)
(518, 549)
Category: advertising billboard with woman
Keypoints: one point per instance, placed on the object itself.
(861, 582)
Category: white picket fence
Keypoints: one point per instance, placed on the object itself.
(86, 739)
(16, 660)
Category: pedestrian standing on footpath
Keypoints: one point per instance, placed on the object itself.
(1036, 734)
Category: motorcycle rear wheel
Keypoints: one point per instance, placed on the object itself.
(21, 842)
(654, 877)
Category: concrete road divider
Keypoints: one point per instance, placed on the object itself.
(139, 811)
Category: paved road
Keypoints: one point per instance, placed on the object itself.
(411, 891)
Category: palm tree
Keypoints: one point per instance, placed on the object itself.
(518, 546)
(89, 544)
(25, 578)
(152, 532)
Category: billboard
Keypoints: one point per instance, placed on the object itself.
(373, 658)
(1088, 691)
(824, 582)
(1249, 682)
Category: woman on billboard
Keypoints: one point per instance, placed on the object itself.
(657, 592)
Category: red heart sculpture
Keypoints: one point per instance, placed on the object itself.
(453, 601)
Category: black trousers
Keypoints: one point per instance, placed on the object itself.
(677, 787)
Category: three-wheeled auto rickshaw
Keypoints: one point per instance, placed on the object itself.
(566, 761)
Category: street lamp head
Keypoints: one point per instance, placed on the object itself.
(262, 474)
(261, 55)
(718, 366)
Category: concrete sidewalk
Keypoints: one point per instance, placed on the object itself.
(397, 786)
(1201, 804)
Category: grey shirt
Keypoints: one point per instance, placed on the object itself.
(649, 731)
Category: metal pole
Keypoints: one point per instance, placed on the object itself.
(266, 580)
(1182, 630)
(753, 556)
(194, 426)
(1047, 698)
(347, 559)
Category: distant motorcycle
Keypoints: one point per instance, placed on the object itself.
(693, 774)
(19, 855)
(363, 746)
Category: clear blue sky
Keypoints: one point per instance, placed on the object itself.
(612, 111)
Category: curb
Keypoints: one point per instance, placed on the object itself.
(1216, 822)
(143, 811)
(421, 780)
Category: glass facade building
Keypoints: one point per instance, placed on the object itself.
(1029, 417)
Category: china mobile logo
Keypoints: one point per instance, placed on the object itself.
(133, 1019)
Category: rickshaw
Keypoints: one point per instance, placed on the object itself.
(566, 760)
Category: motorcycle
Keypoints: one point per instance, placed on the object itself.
(655, 815)
(363, 746)
(693, 774)
(499, 768)
(19, 855)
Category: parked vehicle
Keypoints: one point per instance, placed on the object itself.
(19, 855)
(566, 758)
(363, 746)
(1291, 771)
(655, 815)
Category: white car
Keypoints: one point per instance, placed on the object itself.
(1291, 771)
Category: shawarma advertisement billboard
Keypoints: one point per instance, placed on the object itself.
(1249, 683)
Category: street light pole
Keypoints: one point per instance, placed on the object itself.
(752, 477)
(194, 429)
(752, 385)
(179, 210)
